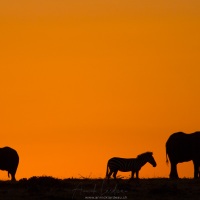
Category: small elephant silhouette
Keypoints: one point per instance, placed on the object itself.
(9, 161)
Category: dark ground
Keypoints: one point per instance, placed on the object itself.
(50, 188)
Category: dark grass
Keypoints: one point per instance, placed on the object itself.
(50, 188)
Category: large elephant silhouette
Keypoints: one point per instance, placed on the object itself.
(182, 147)
(9, 161)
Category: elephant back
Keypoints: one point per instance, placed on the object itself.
(8, 158)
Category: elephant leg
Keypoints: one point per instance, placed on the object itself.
(173, 173)
(12, 173)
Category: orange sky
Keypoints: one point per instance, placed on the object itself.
(82, 81)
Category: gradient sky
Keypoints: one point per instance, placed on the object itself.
(83, 81)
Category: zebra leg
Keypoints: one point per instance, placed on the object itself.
(137, 174)
(115, 174)
(109, 174)
(196, 169)
(132, 174)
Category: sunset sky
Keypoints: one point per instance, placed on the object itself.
(82, 81)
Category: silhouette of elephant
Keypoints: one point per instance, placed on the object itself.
(9, 160)
(182, 147)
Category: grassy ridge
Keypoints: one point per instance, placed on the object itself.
(50, 188)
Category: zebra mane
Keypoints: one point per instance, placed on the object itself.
(145, 154)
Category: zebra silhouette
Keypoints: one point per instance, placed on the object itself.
(134, 165)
